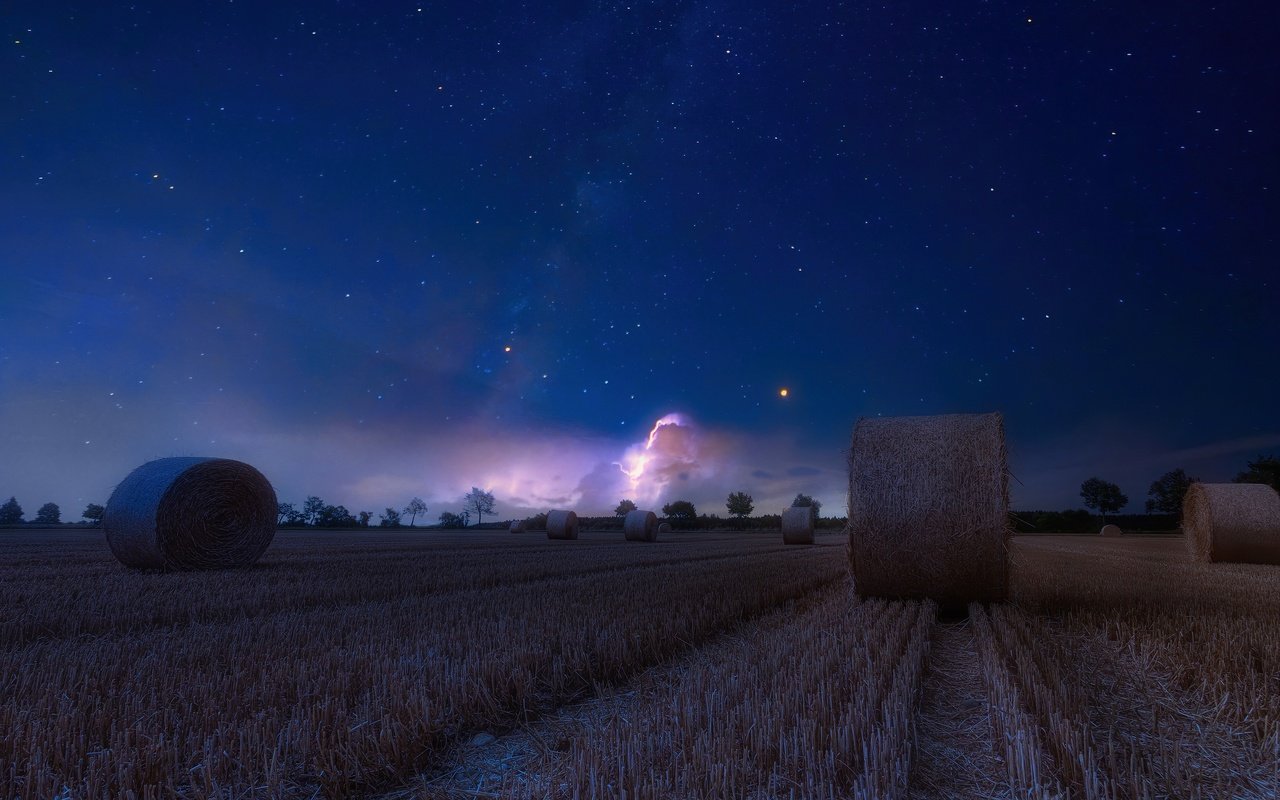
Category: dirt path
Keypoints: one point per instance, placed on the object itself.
(955, 757)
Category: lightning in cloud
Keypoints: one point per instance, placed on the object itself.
(639, 456)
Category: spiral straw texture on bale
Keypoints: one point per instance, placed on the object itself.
(191, 514)
(562, 525)
(641, 526)
(797, 525)
(1232, 522)
(929, 508)
(1111, 530)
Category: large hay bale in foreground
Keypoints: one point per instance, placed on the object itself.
(929, 508)
(189, 514)
(517, 526)
(641, 526)
(1232, 522)
(562, 525)
(1111, 530)
(664, 528)
(797, 525)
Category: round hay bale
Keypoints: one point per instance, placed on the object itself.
(562, 525)
(641, 526)
(664, 528)
(929, 508)
(518, 526)
(1237, 522)
(190, 514)
(797, 525)
(1111, 530)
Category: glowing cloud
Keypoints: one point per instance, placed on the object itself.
(670, 452)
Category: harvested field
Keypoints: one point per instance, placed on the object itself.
(430, 665)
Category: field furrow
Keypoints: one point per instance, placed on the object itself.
(957, 758)
(43, 604)
(806, 702)
(349, 699)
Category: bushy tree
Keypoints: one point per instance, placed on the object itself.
(680, 509)
(390, 519)
(311, 509)
(94, 513)
(479, 501)
(10, 512)
(49, 514)
(1102, 496)
(285, 512)
(803, 500)
(624, 508)
(740, 504)
(450, 520)
(335, 517)
(1166, 492)
(415, 507)
(363, 519)
(1263, 469)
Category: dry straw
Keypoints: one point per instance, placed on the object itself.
(929, 508)
(797, 525)
(641, 526)
(664, 527)
(1111, 530)
(1232, 522)
(191, 513)
(562, 525)
(517, 526)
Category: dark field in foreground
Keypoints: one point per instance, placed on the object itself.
(706, 665)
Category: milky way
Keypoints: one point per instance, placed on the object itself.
(382, 250)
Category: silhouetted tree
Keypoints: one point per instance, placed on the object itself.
(49, 514)
(1263, 469)
(364, 517)
(335, 517)
(1166, 492)
(390, 519)
(94, 513)
(415, 507)
(479, 501)
(1103, 496)
(285, 512)
(10, 512)
(680, 509)
(448, 519)
(311, 509)
(803, 500)
(624, 508)
(740, 504)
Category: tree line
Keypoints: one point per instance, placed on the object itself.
(48, 514)
(315, 513)
(1164, 497)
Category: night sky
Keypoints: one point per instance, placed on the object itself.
(381, 250)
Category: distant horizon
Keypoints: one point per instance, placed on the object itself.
(1029, 489)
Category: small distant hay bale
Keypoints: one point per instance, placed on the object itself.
(929, 508)
(562, 525)
(1111, 530)
(518, 526)
(797, 525)
(664, 528)
(1237, 522)
(641, 526)
(191, 514)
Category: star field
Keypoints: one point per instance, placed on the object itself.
(348, 242)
